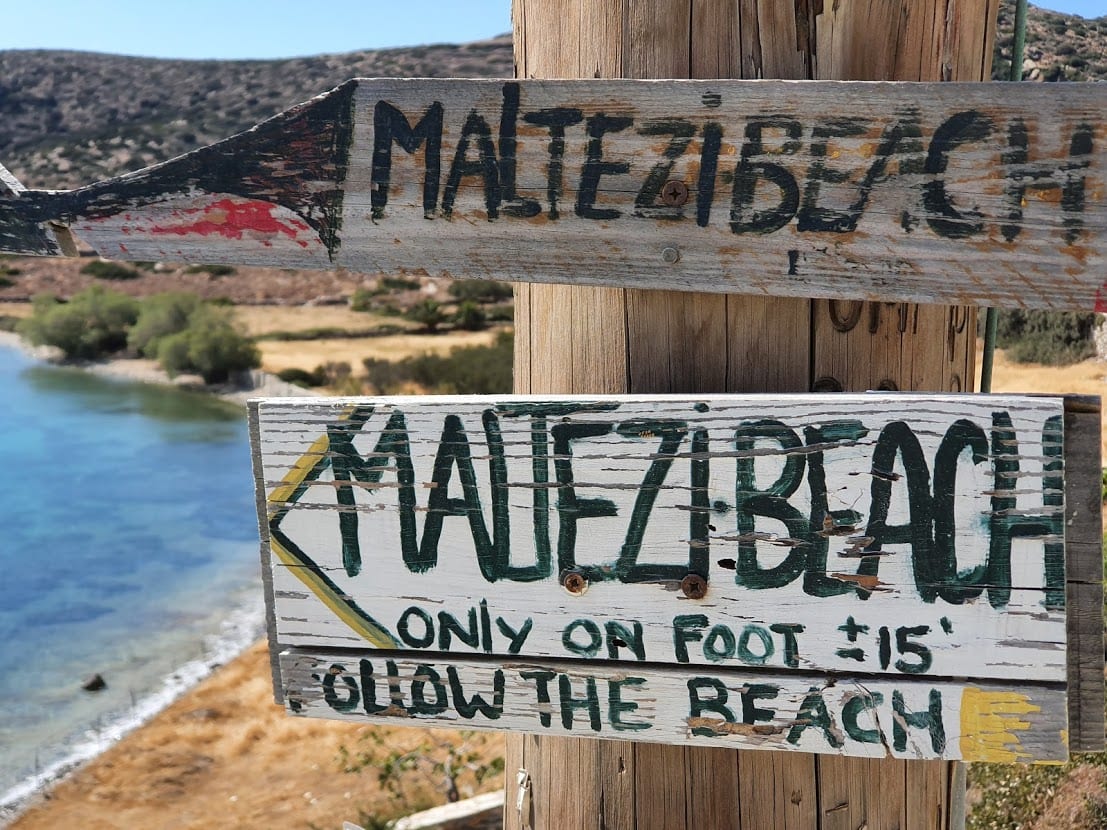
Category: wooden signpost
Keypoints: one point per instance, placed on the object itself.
(977, 194)
(866, 575)
(876, 579)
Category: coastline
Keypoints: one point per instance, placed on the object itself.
(242, 626)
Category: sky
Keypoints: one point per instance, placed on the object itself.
(273, 28)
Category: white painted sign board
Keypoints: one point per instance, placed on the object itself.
(678, 551)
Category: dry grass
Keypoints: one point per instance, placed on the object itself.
(267, 319)
(225, 756)
(307, 354)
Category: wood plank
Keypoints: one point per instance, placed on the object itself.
(631, 495)
(1084, 575)
(876, 718)
(943, 193)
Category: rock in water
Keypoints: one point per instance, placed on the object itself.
(94, 683)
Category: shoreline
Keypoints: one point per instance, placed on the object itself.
(252, 384)
(242, 627)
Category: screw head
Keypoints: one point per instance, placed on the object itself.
(694, 586)
(674, 193)
(574, 582)
(670, 254)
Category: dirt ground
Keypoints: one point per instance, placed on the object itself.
(226, 756)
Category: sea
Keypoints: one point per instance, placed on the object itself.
(128, 548)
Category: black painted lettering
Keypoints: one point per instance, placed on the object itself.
(541, 678)
(698, 704)
(475, 705)
(426, 676)
(743, 217)
(646, 203)
(771, 503)
(403, 628)
(905, 646)
(930, 720)
(1069, 178)
(514, 205)
(711, 146)
(555, 120)
(942, 216)
(627, 568)
(571, 508)
(448, 626)
(574, 645)
(753, 692)
(590, 703)
(719, 644)
(856, 704)
(620, 636)
(369, 688)
(390, 125)
(332, 698)
(813, 713)
(516, 637)
(485, 165)
(791, 644)
(815, 217)
(596, 166)
(687, 628)
(617, 707)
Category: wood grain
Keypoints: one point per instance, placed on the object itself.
(864, 718)
(877, 533)
(938, 193)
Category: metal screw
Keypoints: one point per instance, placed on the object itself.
(670, 255)
(694, 586)
(574, 582)
(674, 193)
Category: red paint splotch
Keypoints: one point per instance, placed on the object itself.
(1101, 299)
(232, 219)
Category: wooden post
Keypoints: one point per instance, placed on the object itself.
(572, 339)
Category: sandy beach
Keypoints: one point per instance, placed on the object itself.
(224, 755)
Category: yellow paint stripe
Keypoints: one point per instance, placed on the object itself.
(990, 723)
(295, 477)
(278, 499)
(376, 636)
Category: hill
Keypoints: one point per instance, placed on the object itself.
(70, 118)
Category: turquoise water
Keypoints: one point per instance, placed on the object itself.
(129, 535)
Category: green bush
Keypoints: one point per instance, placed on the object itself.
(398, 284)
(466, 370)
(92, 324)
(470, 316)
(1051, 337)
(481, 291)
(302, 377)
(211, 347)
(103, 269)
(429, 314)
(160, 316)
(362, 300)
(212, 270)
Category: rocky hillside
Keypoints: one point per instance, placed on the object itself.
(69, 118)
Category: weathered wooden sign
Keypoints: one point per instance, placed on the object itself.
(985, 194)
(868, 574)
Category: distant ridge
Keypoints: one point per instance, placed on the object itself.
(70, 118)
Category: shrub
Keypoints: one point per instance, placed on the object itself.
(1050, 337)
(211, 270)
(429, 314)
(470, 316)
(103, 269)
(211, 346)
(361, 300)
(160, 316)
(302, 377)
(481, 291)
(398, 284)
(92, 324)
